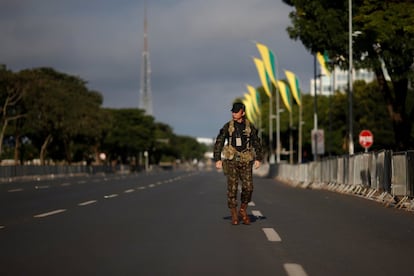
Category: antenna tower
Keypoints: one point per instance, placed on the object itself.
(145, 102)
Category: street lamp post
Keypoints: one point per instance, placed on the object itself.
(350, 80)
(315, 112)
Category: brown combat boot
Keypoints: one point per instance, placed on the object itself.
(243, 214)
(234, 216)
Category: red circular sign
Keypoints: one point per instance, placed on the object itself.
(366, 139)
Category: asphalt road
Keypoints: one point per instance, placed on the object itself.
(177, 223)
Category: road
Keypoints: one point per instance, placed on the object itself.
(177, 223)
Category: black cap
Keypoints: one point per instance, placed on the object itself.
(237, 106)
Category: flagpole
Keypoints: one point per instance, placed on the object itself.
(277, 127)
(290, 131)
(300, 136)
(272, 155)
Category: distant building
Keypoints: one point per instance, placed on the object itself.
(206, 141)
(339, 81)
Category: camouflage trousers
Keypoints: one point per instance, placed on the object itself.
(238, 170)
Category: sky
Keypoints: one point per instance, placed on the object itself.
(201, 52)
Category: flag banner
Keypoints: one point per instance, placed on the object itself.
(263, 76)
(268, 60)
(285, 93)
(254, 96)
(249, 113)
(294, 86)
(323, 59)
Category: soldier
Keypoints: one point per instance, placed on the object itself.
(242, 152)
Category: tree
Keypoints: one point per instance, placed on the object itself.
(385, 31)
(12, 89)
(131, 133)
(59, 109)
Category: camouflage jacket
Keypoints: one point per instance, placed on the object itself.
(249, 139)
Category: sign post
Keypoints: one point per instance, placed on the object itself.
(366, 139)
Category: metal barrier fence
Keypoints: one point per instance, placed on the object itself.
(384, 175)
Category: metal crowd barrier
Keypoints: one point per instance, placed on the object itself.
(385, 175)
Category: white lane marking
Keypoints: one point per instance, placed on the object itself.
(2, 227)
(257, 213)
(271, 235)
(42, 187)
(15, 190)
(129, 191)
(81, 182)
(151, 185)
(87, 203)
(294, 270)
(142, 188)
(111, 196)
(49, 213)
(65, 184)
(251, 203)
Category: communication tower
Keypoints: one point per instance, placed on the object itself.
(145, 102)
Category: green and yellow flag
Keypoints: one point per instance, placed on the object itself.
(264, 78)
(323, 60)
(254, 96)
(294, 86)
(268, 60)
(247, 101)
(285, 93)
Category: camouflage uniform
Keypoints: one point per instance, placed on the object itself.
(239, 167)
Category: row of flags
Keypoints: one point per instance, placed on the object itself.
(267, 71)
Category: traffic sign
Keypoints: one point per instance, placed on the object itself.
(366, 138)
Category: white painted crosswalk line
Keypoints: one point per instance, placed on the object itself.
(294, 270)
(251, 203)
(272, 235)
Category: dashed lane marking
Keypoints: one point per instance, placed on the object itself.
(272, 235)
(141, 188)
(42, 187)
(87, 203)
(151, 185)
(65, 184)
(111, 196)
(50, 213)
(129, 191)
(257, 213)
(294, 270)
(2, 227)
(15, 190)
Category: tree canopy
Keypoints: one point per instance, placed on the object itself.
(383, 41)
(55, 117)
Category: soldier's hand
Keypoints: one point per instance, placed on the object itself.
(256, 164)
(219, 165)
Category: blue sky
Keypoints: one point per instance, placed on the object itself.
(200, 51)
